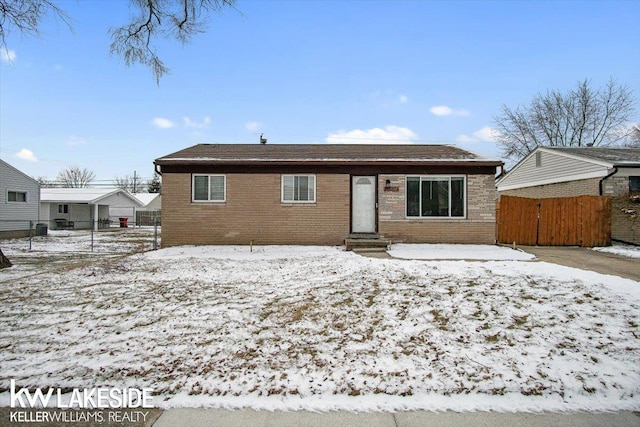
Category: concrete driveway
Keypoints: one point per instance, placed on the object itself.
(587, 259)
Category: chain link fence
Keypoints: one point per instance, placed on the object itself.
(79, 236)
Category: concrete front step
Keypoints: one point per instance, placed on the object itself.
(359, 243)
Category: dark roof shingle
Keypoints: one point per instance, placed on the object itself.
(616, 156)
(322, 153)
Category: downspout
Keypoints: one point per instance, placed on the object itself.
(615, 171)
(155, 167)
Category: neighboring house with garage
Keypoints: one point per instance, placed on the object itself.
(146, 214)
(19, 202)
(82, 208)
(324, 194)
(575, 171)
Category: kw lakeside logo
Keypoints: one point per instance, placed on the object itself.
(87, 405)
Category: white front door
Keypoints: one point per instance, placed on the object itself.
(363, 204)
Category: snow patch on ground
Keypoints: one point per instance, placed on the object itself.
(445, 251)
(318, 328)
(245, 253)
(621, 249)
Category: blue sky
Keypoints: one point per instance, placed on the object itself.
(301, 72)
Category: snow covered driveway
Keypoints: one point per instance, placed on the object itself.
(318, 328)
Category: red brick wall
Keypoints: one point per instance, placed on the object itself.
(253, 211)
(478, 226)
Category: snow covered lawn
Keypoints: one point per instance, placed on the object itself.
(318, 328)
(65, 249)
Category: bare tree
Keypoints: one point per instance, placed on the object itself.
(634, 137)
(74, 177)
(132, 184)
(177, 19)
(583, 116)
(152, 19)
(45, 183)
(25, 16)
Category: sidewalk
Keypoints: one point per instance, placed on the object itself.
(587, 259)
(251, 418)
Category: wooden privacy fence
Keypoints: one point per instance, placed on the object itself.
(567, 221)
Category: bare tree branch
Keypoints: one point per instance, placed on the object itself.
(633, 140)
(583, 116)
(177, 19)
(74, 177)
(25, 17)
(132, 184)
(45, 183)
(152, 19)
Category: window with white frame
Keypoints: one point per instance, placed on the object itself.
(436, 196)
(209, 188)
(299, 188)
(17, 196)
(63, 209)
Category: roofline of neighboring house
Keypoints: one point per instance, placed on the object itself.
(20, 172)
(608, 166)
(549, 150)
(601, 162)
(95, 200)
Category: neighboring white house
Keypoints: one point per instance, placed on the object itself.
(19, 201)
(575, 171)
(82, 208)
(151, 203)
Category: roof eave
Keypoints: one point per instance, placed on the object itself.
(627, 165)
(434, 162)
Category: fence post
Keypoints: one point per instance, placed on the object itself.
(30, 226)
(155, 233)
(93, 223)
(538, 223)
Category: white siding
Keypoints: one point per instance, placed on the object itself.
(155, 205)
(16, 215)
(45, 215)
(80, 214)
(554, 168)
(118, 200)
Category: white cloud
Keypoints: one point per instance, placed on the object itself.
(26, 154)
(198, 125)
(403, 99)
(484, 134)
(162, 123)
(8, 55)
(443, 110)
(253, 126)
(388, 135)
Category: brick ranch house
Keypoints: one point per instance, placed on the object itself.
(575, 171)
(321, 194)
